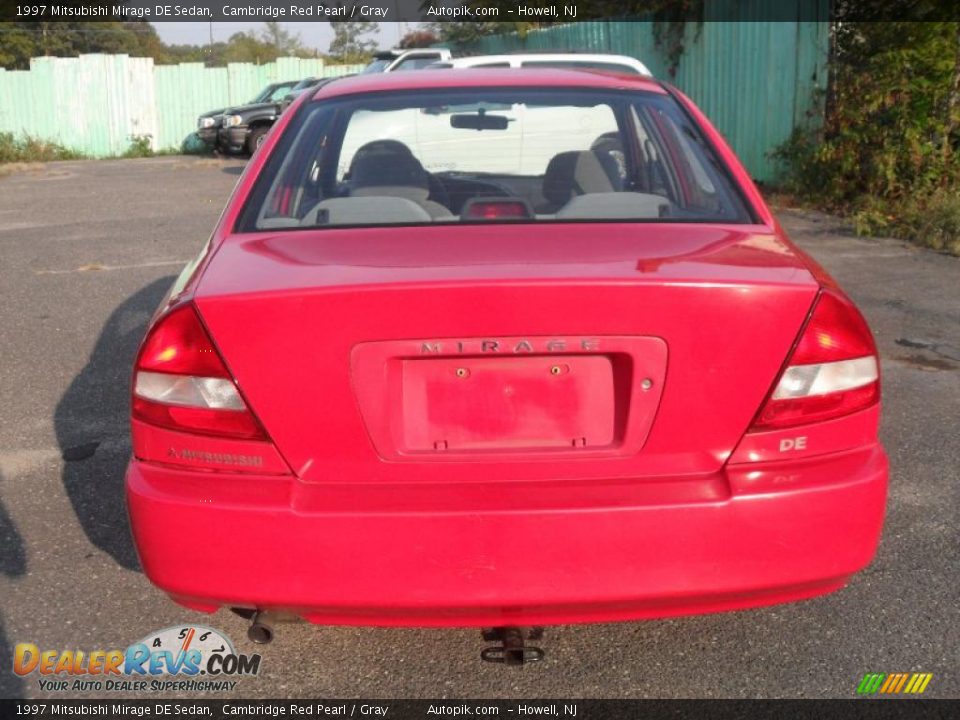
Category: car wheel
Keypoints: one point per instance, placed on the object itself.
(255, 139)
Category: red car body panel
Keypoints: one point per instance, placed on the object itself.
(511, 553)
(629, 486)
(296, 291)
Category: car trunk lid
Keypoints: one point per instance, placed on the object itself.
(509, 352)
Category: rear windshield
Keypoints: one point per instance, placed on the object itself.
(487, 155)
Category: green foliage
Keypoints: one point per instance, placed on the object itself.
(670, 21)
(417, 39)
(887, 154)
(140, 147)
(465, 33)
(349, 44)
(20, 41)
(670, 28)
(17, 46)
(938, 224)
(669, 15)
(263, 47)
(25, 149)
(284, 42)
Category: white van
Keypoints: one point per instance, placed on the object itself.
(566, 61)
(533, 134)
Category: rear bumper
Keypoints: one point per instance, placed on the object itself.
(509, 553)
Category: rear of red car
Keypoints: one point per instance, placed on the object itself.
(546, 358)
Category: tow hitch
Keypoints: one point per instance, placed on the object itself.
(512, 649)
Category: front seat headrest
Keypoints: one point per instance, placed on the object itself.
(386, 162)
(574, 173)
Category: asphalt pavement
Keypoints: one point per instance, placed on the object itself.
(87, 250)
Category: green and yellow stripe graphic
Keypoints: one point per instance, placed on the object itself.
(894, 683)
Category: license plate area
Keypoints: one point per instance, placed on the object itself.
(534, 402)
(602, 404)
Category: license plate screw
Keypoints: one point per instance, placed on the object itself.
(559, 369)
(463, 372)
(646, 384)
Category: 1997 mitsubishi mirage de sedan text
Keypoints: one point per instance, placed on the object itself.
(502, 349)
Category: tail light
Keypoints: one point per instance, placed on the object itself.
(181, 382)
(832, 371)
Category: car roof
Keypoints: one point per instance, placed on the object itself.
(498, 77)
(571, 57)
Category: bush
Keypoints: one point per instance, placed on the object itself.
(938, 224)
(888, 155)
(24, 149)
(139, 147)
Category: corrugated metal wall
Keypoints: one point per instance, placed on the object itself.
(755, 79)
(97, 103)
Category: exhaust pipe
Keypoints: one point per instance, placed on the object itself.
(261, 628)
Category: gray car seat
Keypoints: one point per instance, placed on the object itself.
(573, 173)
(387, 168)
(609, 150)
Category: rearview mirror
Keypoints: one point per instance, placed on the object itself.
(480, 121)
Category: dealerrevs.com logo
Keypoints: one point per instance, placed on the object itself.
(180, 658)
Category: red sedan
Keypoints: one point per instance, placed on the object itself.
(502, 348)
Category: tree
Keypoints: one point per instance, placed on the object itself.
(466, 32)
(417, 39)
(249, 47)
(348, 44)
(20, 41)
(17, 45)
(285, 43)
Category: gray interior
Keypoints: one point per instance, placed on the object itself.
(615, 205)
(387, 168)
(364, 211)
(387, 184)
(414, 194)
(574, 173)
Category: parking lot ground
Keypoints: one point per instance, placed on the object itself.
(87, 250)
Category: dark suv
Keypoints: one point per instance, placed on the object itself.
(311, 83)
(243, 128)
(209, 124)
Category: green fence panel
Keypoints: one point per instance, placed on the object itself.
(756, 79)
(97, 104)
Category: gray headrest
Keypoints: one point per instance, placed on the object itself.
(384, 163)
(574, 173)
